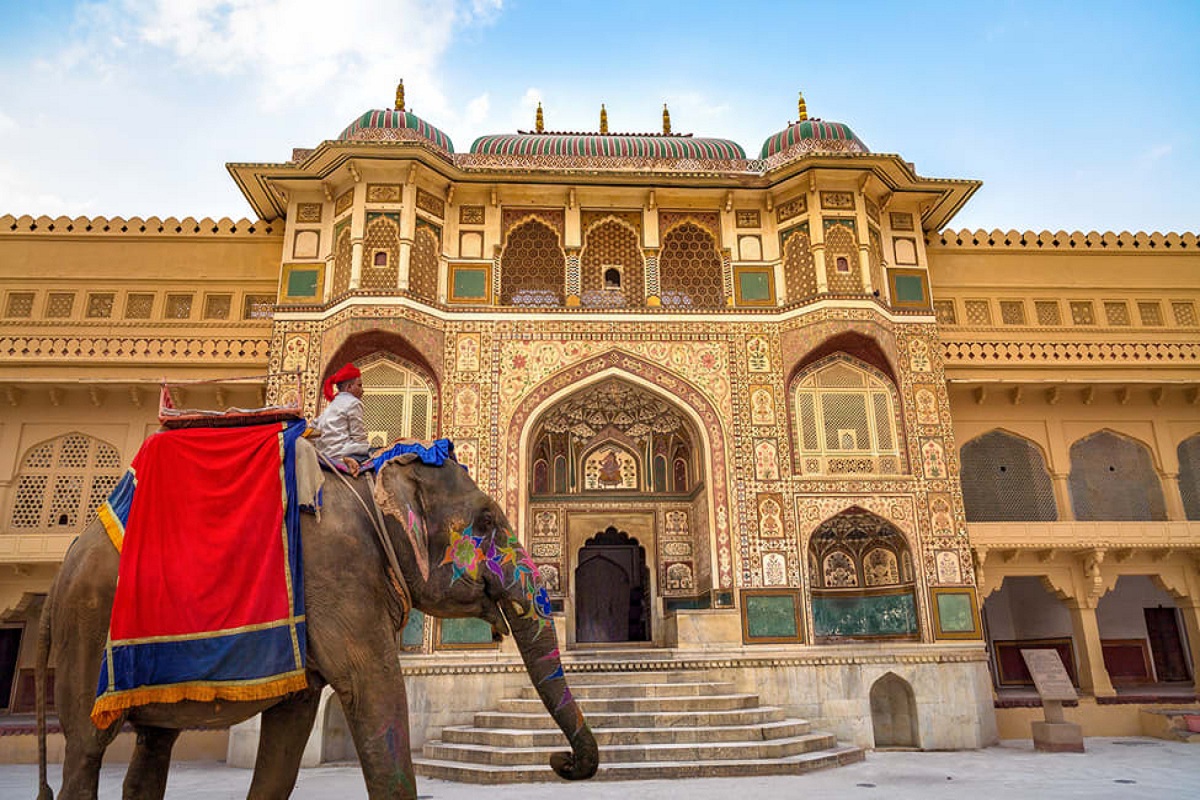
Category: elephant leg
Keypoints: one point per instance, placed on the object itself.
(376, 708)
(82, 759)
(146, 778)
(282, 736)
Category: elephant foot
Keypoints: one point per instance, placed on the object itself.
(567, 766)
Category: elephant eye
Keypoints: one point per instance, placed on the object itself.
(487, 520)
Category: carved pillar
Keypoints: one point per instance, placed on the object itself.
(408, 230)
(358, 225)
(573, 287)
(816, 238)
(356, 255)
(496, 276)
(653, 288)
(727, 275)
(1093, 676)
(1062, 496)
(1189, 610)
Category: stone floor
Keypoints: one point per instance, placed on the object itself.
(1111, 768)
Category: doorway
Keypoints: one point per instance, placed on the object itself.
(612, 590)
(1166, 644)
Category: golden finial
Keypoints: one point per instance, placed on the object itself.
(603, 119)
(540, 123)
(666, 121)
(803, 109)
(400, 96)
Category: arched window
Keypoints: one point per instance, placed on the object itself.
(1189, 475)
(1113, 478)
(381, 240)
(846, 415)
(1004, 479)
(62, 482)
(660, 473)
(679, 475)
(799, 266)
(862, 579)
(397, 402)
(424, 262)
(610, 266)
(343, 253)
(690, 268)
(560, 474)
(541, 477)
(533, 268)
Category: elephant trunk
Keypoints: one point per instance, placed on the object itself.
(535, 636)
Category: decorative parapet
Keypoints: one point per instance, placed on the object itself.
(1061, 240)
(1068, 353)
(135, 226)
(136, 348)
(1075, 535)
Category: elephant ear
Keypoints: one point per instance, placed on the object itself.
(397, 496)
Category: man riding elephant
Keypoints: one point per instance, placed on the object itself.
(456, 555)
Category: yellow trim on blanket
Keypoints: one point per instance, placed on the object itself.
(111, 707)
(188, 637)
(112, 526)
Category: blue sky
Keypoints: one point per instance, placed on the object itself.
(1076, 116)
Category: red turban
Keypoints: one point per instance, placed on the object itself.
(346, 373)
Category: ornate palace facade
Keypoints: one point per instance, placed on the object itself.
(732, 404)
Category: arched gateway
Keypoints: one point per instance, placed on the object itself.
(617, 501)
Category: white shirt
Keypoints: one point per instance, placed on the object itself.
(342, 430)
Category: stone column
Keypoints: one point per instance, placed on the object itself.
(408, 231)
(1062, 496)
(358, 225)
(1093, 676)
(1172, 497)
(1189, 610)
(573, 280)
(727, 275)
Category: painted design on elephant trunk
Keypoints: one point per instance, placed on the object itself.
(507, 560)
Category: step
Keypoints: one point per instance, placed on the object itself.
(644, 770)
(648, 689)
(589, 705)
(620, 754)
(539, 719)
(626, 677)
(553, 737)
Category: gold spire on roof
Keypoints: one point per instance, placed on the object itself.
(539, 122)
(666, 121)
(803, 109)
(603, 119)
(400, 96)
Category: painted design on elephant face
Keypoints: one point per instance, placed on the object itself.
(412, 528)
(464, 554)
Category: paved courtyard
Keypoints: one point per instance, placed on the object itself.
(1111, 768)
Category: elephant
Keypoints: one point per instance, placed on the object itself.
(458, 556)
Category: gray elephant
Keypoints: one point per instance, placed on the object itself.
(459, 558)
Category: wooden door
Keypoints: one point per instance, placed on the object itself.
(1166, 645)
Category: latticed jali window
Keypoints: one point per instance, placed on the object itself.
(689, 267)
(799, 267)
(611, 246)
(843, 273)
(397, 403)
(847, 420)
(533, 269)
(423, 263)
(1189, 475)
(1004, 479)
(62, 482)
(1113, 478)
(343, 253)
(381, 252)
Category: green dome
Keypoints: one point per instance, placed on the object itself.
(391, 124)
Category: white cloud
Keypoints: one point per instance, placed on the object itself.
(478, 109)
(21, 195)
(7, 123)
(1155, 154)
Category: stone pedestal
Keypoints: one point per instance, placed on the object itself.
(1057, 737)
(1055, 734)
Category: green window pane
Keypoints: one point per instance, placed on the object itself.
(414, 631)
(954, 612)
(466, 631)
(470, 283)
(754, 286)
(879, 615)
(302, 283)
(771, 617)
(910, 289)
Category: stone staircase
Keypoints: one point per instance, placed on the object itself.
(648, 725)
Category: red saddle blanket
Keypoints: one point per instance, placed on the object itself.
(210, 600)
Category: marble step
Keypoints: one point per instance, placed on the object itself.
(627, 677)
(553, 737)
(537, 718)
(620, 754)
(679, 689)
(644, 770)
(623, 704)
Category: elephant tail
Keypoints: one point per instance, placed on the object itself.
(39, 682)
